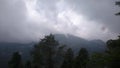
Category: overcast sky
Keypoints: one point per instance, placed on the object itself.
(30, 20)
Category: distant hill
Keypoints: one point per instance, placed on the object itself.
(76, 43)
(7, 49)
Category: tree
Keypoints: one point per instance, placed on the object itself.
(68, 59)
(113, 52)
(36, 57)
(82, 59)
(97, 60)
(59, 56)
(45, 52)
(16, 61)
(28, 64)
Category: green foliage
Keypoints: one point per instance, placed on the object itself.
(36, 56)
(98, 60)
(16, 61)
(82, 59)
(45, 52)
(109, 59)
(112, 44)
(113, 53)
(59, 56)
(68, 59)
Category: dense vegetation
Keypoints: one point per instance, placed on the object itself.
(48, 53)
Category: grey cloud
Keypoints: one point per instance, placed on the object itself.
(12, 17)
(49, 7)
(99, 10)
(17, 26)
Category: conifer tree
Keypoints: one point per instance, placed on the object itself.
(82, 59)
(45, 51)
(16, 61)
(68, 59)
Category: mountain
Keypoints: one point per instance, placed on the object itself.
(76, 43)
(7, 49)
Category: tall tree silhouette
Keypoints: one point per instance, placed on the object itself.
(82, 59)
(45, 51)
(36, 57)
(59, 56)
(16, 61)
(68, 59)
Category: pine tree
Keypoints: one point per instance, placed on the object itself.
(82, 59)
(45, 51)
(59, 56)
(36, 57)
(68, 59)
(16, 61)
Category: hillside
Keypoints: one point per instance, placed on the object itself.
(7, 49)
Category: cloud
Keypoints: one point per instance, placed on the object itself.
(30, 20)
(102, 11)
(12, 18)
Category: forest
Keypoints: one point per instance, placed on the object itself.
(48, 53)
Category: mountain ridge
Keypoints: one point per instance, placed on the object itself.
(7, 48)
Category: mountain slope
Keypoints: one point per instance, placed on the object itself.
(7, 49)
(76, 43)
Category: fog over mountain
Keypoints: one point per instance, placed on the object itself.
(29, 20)
(76, 43)
(7, 49)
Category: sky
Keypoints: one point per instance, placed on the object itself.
(30, 20)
